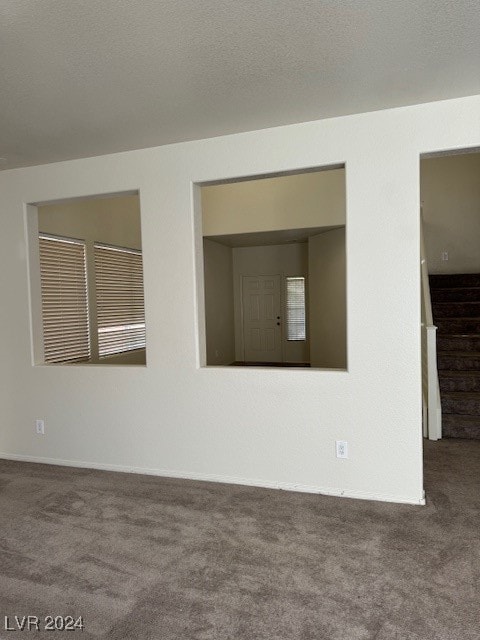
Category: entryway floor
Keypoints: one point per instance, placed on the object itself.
(270, 364)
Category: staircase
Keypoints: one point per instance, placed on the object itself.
(456, 313)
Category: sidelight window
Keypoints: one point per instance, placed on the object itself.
(296, 329)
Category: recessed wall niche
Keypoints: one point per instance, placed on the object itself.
(86, 277)
(274, 268)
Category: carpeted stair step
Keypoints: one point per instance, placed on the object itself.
(456, 426)
(456, 294)
(454, 280)
(456, 313)
(458, 360)
(456, 309)
(458, 342)
(461, 403)
(468, 381)
(457, 325)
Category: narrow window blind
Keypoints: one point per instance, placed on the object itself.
(120, 299)
(64, 299)
(296, 308)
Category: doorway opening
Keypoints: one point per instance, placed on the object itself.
(450, 222)
(274, 271)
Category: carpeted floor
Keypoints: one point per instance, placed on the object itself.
(151, 558)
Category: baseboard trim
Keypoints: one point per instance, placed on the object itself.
(205, 477)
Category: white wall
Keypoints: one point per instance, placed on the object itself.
(327, 299)
(286, 202)
(450, 193)
(282, 259)
(115, 221)
(219, 324)
(170, 416)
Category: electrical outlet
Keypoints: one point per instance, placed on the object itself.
(40, 427)
(445, 256)
(341, 448)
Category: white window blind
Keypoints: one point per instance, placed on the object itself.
(64, 299)
(120, 300)
(296, 308)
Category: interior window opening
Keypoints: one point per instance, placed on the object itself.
(274, 271)
(86, 261)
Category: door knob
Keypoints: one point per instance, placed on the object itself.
(278, 324)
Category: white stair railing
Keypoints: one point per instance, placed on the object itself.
(432, 408)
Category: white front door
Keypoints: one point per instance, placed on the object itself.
(262, 330)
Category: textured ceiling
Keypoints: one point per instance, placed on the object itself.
(88, 77)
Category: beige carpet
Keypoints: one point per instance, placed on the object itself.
(149, 558)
